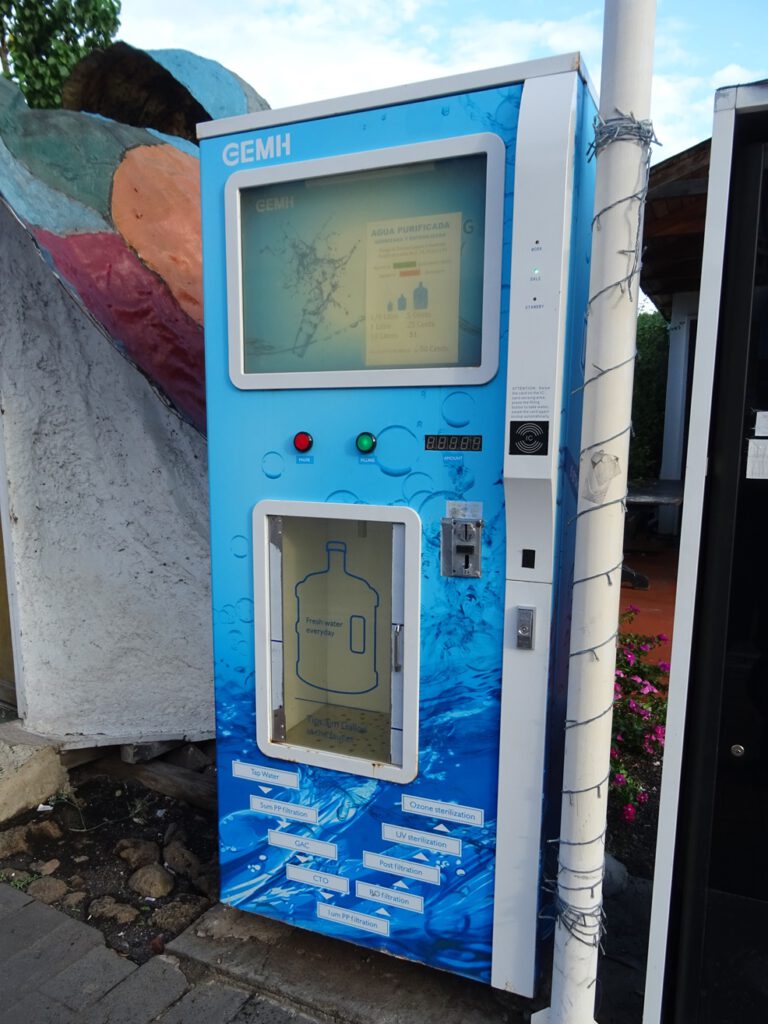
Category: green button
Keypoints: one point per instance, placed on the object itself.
(365, 442)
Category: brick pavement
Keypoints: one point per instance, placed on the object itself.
(56, 970)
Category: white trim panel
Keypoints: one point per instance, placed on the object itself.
(394, 156)
(541, 232)
(524, 699)
(541, 243)
(397, 514)
(690, 538)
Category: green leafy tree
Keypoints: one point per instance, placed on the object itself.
(42, 40)
(649, 397)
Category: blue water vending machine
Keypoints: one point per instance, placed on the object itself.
(395, 293)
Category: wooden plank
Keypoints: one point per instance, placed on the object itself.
(82, 755)
(133, 753)
(179, 783)
(7, 693)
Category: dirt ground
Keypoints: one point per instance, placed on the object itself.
(70, 856)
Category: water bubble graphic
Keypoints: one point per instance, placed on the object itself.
(458, 408)
(239, 546)
(272, 465)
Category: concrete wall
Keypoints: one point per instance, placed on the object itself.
(105, 504)
(6, 645)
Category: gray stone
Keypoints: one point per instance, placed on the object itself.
(181, 860)
(137, 853)
(88, 979)
(43, 830)
(47, 890)
(356, 984)
(208, 1003)
(107, 907)
(13, 841)
(48, 867)
(141, 997)
(73, 900)
(615, 877)
(152, 880)
(16, 876)
(178, 915)
(30, 770)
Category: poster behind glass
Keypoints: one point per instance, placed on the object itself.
(365, 270)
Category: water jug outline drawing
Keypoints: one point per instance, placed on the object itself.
(352, 636)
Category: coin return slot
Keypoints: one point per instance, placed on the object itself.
(460, 547)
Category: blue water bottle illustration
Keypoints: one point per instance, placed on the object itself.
(336, 626)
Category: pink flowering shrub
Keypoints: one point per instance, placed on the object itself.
(639, 712)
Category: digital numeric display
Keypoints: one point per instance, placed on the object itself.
(453, 442)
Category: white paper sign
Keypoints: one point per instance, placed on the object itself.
(761, 424)
(757, 459)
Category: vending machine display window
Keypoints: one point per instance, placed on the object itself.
(340, 674)
(400, 285)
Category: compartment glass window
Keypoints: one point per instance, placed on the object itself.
(335, 630)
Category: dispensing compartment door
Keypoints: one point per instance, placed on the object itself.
(337, 635)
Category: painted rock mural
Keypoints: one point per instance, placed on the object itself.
(114, 207)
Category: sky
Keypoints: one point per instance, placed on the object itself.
(297, 51)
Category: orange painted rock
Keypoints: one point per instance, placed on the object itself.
(156, 208)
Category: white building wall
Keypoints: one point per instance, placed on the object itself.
(684, 311)
(104, 503)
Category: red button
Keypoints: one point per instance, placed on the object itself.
(302, 441)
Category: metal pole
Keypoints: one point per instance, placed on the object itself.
(622, 145)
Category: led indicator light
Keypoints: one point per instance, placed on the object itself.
(365, 442)
(302, 441)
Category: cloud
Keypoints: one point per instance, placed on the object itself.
(735, 74)
(485, 43)
(297, 51)
(681, 110)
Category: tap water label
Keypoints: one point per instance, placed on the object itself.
(395, 898)
(283, 809)
(318, 879)
(291, 841)
(425, 840)
(267, 776)
(403, 868)
(353, 919)
(446, 812)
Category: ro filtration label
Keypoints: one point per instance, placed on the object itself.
(282, 809)
(394, 897)
(290, 841)
(318, 879)
(267, 776)
(404, 868)
(438, 809)
(425, 840)
(352, 919)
